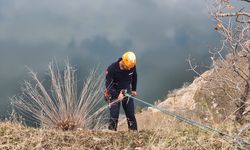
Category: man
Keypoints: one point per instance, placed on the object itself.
(120, 76)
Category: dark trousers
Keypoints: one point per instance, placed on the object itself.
(128, 106)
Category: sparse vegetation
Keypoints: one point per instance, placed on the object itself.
(218, 98)
(229, 83)
(60, 106)
(233, 24)
(224, 96)
(178, 136)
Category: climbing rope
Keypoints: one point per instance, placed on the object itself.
(188, 121)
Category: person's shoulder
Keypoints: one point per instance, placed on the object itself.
(112, 66)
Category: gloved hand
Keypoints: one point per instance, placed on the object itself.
(133, 93)
(107, 96)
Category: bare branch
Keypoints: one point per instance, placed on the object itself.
(233, 14)
(246, 1)
(193, 67)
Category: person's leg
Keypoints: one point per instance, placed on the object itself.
(128, 106)
(114, 115)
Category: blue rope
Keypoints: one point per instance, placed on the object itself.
(188, 121)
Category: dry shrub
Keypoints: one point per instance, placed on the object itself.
(60, 106)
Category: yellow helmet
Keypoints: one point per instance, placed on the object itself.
(129, 59)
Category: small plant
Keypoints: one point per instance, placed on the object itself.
(60, 106)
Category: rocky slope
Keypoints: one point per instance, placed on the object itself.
(209, 99)
(204, 100)
(182, 101)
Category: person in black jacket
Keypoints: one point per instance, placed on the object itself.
(121, 75)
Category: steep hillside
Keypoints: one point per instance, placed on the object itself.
(183, 101)
(156, 129)
(208, 99)
(15, 136)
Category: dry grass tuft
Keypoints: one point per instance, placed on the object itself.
(177, 136)
(61, 106)
(68, 124)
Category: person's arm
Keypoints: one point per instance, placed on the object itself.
(110, 92)
(109, 78)
(134, 83)
(108, 82)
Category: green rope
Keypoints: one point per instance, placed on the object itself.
(188, 121)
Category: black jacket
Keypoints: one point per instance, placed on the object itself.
(117, 79)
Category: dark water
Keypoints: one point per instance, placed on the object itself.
(90, 33)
